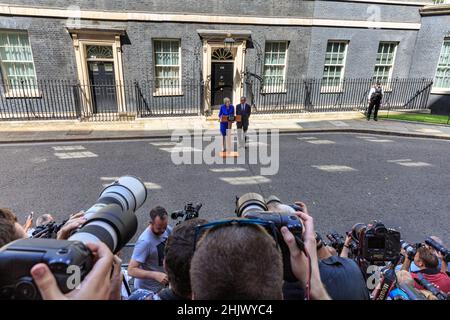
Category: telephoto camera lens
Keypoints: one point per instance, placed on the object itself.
(250, 202)
(357, 229)
(112, 219)
(274, 204)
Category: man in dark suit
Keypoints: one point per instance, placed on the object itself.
(244, 110)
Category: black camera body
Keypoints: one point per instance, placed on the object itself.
(336, 241)
(376, 243)
(189, 212)
(293, 223)
(18, 257)
(410, 249)
(48, 230)
(111, 221)
(254, 206)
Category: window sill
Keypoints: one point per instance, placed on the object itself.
(168, 93)
(331, 90)
(440, 91)
(270, 90)
(20, 94)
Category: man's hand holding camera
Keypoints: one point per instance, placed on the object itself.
(299, 261)
(72, 224)
(96, 285)
(161, 277)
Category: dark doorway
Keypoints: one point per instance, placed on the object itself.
(221, 82)
(103, 86)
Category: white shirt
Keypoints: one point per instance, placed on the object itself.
(372, 90)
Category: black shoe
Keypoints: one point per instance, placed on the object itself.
(368, 119)
(376, 119)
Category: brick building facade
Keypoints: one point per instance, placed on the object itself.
(170, 42)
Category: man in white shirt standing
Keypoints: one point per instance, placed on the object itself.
(375, 96)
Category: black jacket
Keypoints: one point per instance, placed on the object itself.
(245, 114)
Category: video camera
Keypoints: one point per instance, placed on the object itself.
(111, 220)
(254, 206)
(438, 247)
(189, 212)
(376, 243)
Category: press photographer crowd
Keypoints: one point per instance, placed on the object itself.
(268, 251)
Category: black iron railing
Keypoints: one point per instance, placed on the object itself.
(318, 95)
(65, 99)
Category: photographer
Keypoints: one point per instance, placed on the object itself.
(442, 263)
(146, 264)
(346, 248)
(44, 219)
(8, 232)
(230, 262)
(10, 229)
(443, 266)
(177, 262)
(427, 262)
(341, 276)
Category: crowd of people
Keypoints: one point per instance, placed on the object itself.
(228, 259)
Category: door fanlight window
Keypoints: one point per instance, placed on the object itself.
(99, 52)
(222, 54)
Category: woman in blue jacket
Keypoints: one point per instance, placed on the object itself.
(226, 109)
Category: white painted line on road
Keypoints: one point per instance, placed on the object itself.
(75, 155)
(163, 144)
(181, 149)
(335, 168)
(410, 163)
(245, 180)
(109, 178)
(379, 140)
(306, 138)
(152, 186)
(399, 160)
(321, 142)
(68, 148)
(414, 164)
(366, 137)
(228, 170)
(428, 130)
(38, 160)
(339, 123)
(254, 143)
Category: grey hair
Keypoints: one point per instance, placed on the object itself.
(244, 97)
(226, 99)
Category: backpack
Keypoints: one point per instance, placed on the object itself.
(377, 95)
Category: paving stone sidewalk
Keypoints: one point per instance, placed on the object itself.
(47, 131)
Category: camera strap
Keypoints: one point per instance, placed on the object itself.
(388, 281)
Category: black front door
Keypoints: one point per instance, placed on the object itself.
(221, 82)
(103, 88)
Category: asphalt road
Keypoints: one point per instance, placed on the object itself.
(403, 182)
